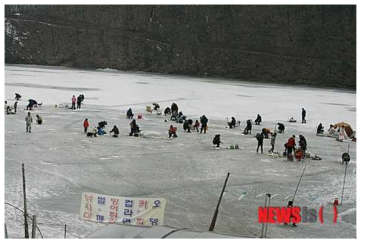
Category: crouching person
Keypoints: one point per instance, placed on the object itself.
(39, 119)
(217, 140)
(134, 128)
(115, 130)
(172, 131)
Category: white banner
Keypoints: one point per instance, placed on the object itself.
(125, 210)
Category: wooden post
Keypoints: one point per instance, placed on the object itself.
(65, 232)
(34, 227)
(26, 234)
(211, 228)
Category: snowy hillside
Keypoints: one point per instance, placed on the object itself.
(61, 162)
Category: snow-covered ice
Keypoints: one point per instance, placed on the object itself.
(61, 162)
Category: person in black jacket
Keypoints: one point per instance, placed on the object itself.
(281, 127)
(78, 102)
(248, 127)
(134, 128)
(204, 122)
(232, 124)
(217, 140)
(304, 113)
(258, 120)
(320, 129)
(167, 111)
(174, 107)
(130, 114)
(187, 125)
(102, 124)
(115, 130)
(260, 142)
(303, 144)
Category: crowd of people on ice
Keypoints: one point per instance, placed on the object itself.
(188, 125)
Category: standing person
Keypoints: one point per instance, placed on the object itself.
(79, 102)
(204, 122)
(28, 122)
(130, 113)
(273, 138)
(15, 106)
(196, 126)
(260, 142)
(115, 130)
(39, 119)
(86, 125)
(304, 113)
(290, 145)
(174, 108)
(303, 144)
(217, 140)
(258, 119)
(73, 100)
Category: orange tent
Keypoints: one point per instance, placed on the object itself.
(348, 128)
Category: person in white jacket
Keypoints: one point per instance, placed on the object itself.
(28, 122)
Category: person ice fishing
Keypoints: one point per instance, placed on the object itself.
(341, 133)
(304, 113)
(320, 129)
(174, 108)
(134, 128)
(28, 122)
(39, 119)
(17, 96)
(196, 126)
(217, 140)
(115, 130)
(101, 131)
(167, 111)
(266, 132)
(31, 104)
(258, 119)
(130, 113)
(232, 124)
(302, 144)
(156, 106)
(204, 122)
(102, 124)
(187, 125)
(73, 101)
(290, 145)
(281, 127)
(172, 131)
(260, 142)
(86, 125)
(79, 102)
(181, 117)
(248, 127)
(273, 138)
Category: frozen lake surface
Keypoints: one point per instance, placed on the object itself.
(61, 162)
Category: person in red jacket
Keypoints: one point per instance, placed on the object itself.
(86, 125)
(172, 131)
(290, 146)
